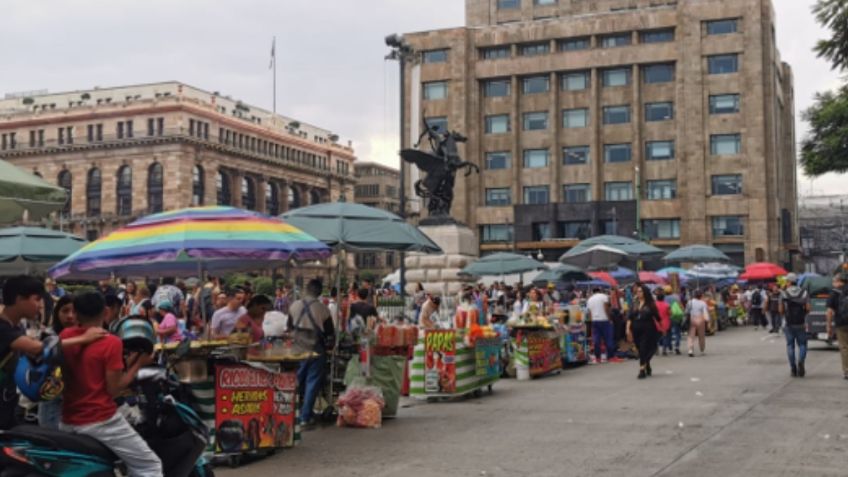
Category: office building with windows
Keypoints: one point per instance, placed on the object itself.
(669, 119)
(377, 186)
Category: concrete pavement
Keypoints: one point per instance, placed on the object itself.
(734, 412)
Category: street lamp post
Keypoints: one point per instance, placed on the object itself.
(403, 53)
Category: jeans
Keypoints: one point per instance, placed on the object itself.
(117, 434)
(776, 321)
(672, 337)
(50, 413)
(796, 334)
(310, 378)
(602, 332)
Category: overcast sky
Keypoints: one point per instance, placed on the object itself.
(331, 70)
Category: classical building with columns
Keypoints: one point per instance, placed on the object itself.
(128, 151)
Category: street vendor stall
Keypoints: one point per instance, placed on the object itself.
(574, 338)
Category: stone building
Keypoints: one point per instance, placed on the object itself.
(673, 120)
(377, 186)
(128, 151)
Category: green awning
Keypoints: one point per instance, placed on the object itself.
(33, 249)
(502, 264)
(21, 191)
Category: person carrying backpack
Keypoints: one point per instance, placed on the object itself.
(794, 306)
(837, 317)
(676, 316)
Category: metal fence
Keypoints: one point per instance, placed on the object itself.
(392, 309)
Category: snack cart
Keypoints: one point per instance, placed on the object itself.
(448, 363)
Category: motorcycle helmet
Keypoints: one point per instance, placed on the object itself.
(40, 379)
(137, 334)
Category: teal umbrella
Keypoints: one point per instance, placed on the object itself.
(562, 273)
(502, 264)
(34, 250)
(697, 254)
(357, 227)
(634, 249)
(21, 191)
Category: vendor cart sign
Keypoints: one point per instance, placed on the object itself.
(545, 354)
(487, 355)
(440, 361)
(254, 408)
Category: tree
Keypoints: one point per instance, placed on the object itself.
(825, 149)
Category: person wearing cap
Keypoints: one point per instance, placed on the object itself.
(794, 306)
(169, 327)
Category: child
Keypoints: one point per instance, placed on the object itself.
(94, 377)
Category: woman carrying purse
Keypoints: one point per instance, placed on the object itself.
(642, 327)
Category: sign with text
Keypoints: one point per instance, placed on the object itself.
(440, 361)
(254, 408)
(488, 358)
(544, 351)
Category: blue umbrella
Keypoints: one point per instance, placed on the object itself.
(624, 275)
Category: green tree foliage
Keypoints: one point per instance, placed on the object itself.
(825, 148)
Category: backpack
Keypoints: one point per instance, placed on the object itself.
(757, 299)
(841, 315)
(677, 313)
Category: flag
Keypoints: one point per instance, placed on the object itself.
(273, 53)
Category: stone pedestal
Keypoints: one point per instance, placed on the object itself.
(440, 273)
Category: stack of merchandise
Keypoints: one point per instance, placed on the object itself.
(362, 407)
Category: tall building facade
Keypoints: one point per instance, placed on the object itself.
(669, 120)
(377, 186)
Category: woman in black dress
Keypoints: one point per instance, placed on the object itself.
(642, 328)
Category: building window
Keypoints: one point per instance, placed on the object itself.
(248, 193)
(497, 124)
(664, 229)
(436, 90)
(724, 104)
(618, 191)
(495, 233)
(616, 77)
(542, 231)
(575, 118)
(223, 188)
(609, 227)
(659, 111)
(98, 131)
(575, 44)
(40, 138)
(272, 199)
(536, 195)
(657, 36)
(191, 127)
(535, 49)
(155, 188)
(543, 3)
(577, 193)
(160, 126)
(498, 197)
(129, 125)
(60, 137)
(536, 84)
(728, 226)
(661, 189)
(580, 229)
(616, 114)
(93, 188)
(435, 56)
(725, 144)
(120, 130)
(730, 184)
(90, 130)
(439, 123)
(614, 153)
(616, 40)
(151, 126)
(535, 158)
(509, 4)
(65, 181)
(497, 160)
(198, 188)
(576, 81)
(723, 64)
(293, 196)
(575, 155)
(124, 191)
(497, 88)
(536, 121)
(723, 26)
(314, 197)
(495, 52)
(662, 73)
(659, 150)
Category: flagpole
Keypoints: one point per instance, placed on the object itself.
(274, 60)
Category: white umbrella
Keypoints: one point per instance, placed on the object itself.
(596, 257)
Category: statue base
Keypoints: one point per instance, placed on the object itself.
(440, 273)
(439, 220)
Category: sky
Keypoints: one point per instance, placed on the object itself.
(330, 55)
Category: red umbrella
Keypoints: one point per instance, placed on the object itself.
(652, 277)
(762, 272)
(604, 276)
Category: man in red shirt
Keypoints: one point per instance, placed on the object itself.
(94, 376)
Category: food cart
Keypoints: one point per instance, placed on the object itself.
(448, 363)
(542, 345)
(574, 337)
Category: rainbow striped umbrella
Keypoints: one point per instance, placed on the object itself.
(187, 241)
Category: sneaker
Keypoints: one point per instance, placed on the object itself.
(648, 370)
(794, 372)
(677, 352)
(603, 360)
(801, 370)
(616, 359)
(308, 426)
(642, 374)
(691, 354)
(593, 360)
(665, 353)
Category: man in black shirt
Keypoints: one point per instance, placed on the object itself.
(362, 307)
(837, 306)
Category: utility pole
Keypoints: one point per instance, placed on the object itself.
(403, 53)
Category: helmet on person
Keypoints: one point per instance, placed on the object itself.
(40, 379)
(137, 334)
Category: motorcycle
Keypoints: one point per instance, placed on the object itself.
(173, 431)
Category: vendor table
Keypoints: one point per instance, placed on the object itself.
(444, 366)
(543, 348)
